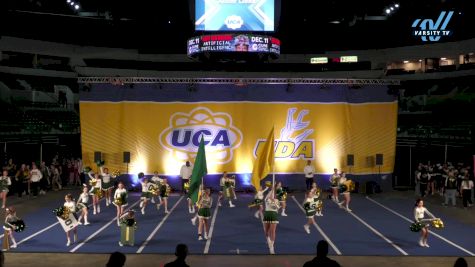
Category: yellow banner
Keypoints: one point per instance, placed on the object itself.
(162, 136)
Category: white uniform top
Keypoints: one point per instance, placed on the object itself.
(70, 205)
(119, 191)
(272, 204)
(36, 175)
(98, 183)
(419, 213)
(6, 178)
(222, 181)
(334, 177)
(309, 170)
(106, 177)
(185, 171)
(467, 184)
(84, 198)
(342, 180)
(156, 179)
(260, 194)
(145, 187)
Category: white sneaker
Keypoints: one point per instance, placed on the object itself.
(141, 204)
(205, 236)
(86, 223)
(143, 211)
(256, 214)
(284, 214)
(200, 238)
(120, 244)
(158, 206)
(118, 223)
(421, 243)
(189, 211)
(193, 220)
(69, 243)
(13, 246)
(75, 238)
(219, 204)
(271, 249)
(231, 205)
(166, 212)
(307, 228)
(426, 245)
(80, 223)
(98, 209)
(348, 209)
(153, 200)
(94, 212)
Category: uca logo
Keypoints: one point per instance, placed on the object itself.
(183, 135)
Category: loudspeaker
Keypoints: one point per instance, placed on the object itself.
(350, 160)
(126, 157)
(379, 159)
(97, 156)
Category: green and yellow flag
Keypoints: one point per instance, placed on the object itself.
(199, 171)
(264, 162)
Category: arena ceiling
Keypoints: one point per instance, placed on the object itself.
(305, 26)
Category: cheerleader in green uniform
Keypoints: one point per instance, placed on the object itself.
(281, 196)
(107, 185)
(96, 192)
(5, 182)
(317, 193)
(9, 227)
(71, 206)
(146, 194)
(157, 181)
(271, 219)
(311, 206)
(204, 213)
(226, 189)
(120, 200)
(81, 205)
(345, 185)
(259, 201)
(164, 193)
(334, 181)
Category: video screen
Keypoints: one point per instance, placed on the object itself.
(234, 15)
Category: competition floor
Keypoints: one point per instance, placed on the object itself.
(378, 225)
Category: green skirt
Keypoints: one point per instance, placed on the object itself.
(106, 186)
(146, 195)
(270, 217)
(310, 213)
(204, 213)
(81, 206)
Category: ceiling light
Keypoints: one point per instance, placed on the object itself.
(76, 7)
(388, 10)
(406, 61)
(396, 5)
(443, 58)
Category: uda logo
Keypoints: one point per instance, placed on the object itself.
(293, 142)
(183, 135)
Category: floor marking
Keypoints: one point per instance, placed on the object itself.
(411, 221)
(338, 252)
(211, 228)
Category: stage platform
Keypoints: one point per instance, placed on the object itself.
(376, 232)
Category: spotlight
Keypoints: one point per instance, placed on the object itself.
(396, 5)
(388, 11)
(406, 61)
(72, 3)
(392, 8)
(76, 7)
(68, 1)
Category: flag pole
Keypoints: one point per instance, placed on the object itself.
(273, 166)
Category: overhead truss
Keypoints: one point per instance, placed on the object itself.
(134, 80)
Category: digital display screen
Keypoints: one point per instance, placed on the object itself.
(234, 15)
(233, 43)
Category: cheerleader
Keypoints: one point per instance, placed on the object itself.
(120, 200)
(157, 181)
(346, 193)
(310, 206)
(271, 219)
(96, 192)
(71, 205)
(419, 211)
(281, 196)
(164, 192)
(334, 181)
(127, 231)
(106, 184)
(5, 182)
(226, 189)
(146, 195)
(316, 192)
(233, 186)
(81, 204)
(204, 213)
(258, 201)
(9, 227)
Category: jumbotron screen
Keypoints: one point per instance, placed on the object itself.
(234, 15)
(233, 43)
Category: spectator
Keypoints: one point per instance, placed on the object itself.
(322, 259)
(116, 259)
(2, 259)
(181, 252)
(460, 262)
